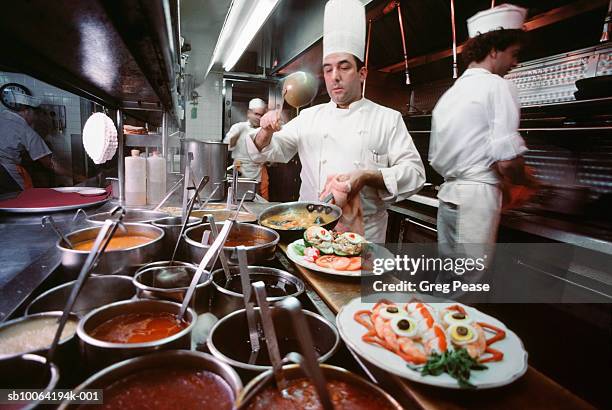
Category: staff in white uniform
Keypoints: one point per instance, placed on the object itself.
(474, 138)
(350, 136)
(237, 135)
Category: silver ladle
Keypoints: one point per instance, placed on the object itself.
(100, 244)
(214, 232)
(270, 333)
(248, 305)
(48, 220)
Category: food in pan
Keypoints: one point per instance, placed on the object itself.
(301, 394)
(116, 243)
(445, 340)
(168, 388)
(237, 237)
(297, 219)
(32, 334)
(138, 327)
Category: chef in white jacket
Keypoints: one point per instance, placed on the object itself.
(366, 143)
(237, 135)
(474, 138)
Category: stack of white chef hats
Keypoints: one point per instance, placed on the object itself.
(504, 16)
(100, 138)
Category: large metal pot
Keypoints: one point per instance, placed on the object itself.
(293, 371)
(229, 339)
(171, 283)
(132, 215)
(98, 354)
(209, 158)
(123, 261)
(318, 208)
(256, 254)
(30, 372)
(172, 228)
(221, 215)
(228, 298)
(162, 360)
(96, 291)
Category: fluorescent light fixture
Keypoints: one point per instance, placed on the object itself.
(243, 21)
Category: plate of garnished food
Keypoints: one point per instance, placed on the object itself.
(444, 344)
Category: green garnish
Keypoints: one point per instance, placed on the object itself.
(299, 249)
(457, 363)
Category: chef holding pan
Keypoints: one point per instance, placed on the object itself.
(357, 150)
(475, 144)
(17, 138)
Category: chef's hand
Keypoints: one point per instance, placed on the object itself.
(360, 178)
(269, 123)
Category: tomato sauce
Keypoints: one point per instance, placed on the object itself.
(138, 327)
(168, 388)
(301, 394)
(116, 243)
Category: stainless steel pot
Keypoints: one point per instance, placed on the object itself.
(221, 215)
(31, 372)
(163, 360)
(256, 254)
(229, 339)
(290, 235)
(293, 371)
(172, 228)
(227, 298)
(171, 283)
(98, 354)
(123, 261)
(209, 158)
(96, 291)
(131, 216)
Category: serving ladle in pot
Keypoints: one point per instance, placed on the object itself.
(47, 220)
(105, 234)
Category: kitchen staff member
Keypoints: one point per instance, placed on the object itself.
(18, 138)
(350, 137)
(236, 138)
(474, 138)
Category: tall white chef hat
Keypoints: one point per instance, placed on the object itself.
(257, 103)
(344, 28)
(18, 97)
(504, 16)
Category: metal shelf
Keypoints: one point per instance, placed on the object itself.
(148, 140)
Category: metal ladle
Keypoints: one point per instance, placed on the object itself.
(48, 219)
(186, 217)
(248, 305)
(99, 246)
(214, 233)
(209, 256)
(170, 192)
(270, 333)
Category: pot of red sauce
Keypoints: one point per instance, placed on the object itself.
(260, 243)
(347, 391)
(175, 379)
(128, 328)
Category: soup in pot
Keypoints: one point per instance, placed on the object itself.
(138, 327)
(116, 243)
(297, 219)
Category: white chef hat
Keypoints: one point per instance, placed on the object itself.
(504, 16)
(344, 28)
(18, 97)
(257, 103)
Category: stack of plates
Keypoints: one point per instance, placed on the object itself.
(100, 138)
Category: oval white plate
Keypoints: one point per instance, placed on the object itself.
(92, 192)
(513, 365)
(379, 251)
(69, 189)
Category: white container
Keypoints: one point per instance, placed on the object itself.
(156, 178)
(135, 179)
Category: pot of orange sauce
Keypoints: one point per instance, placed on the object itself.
(129, 249)
(131, 328)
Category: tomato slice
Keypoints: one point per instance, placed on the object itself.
(333, 262)
(355, 263)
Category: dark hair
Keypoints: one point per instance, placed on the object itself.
(477, 48)
(358, 62)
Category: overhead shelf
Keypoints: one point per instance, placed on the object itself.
(118, 54)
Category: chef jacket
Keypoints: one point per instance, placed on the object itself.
(16, 138)
(475, 124)
(330, 140)
(248, 168)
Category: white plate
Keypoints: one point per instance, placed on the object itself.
(379, 252)
(513, 365)
(92, 192)
(69, 189)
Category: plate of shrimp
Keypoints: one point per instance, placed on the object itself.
(409, 339)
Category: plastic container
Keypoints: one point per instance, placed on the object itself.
(156, 178)
(135, 179)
